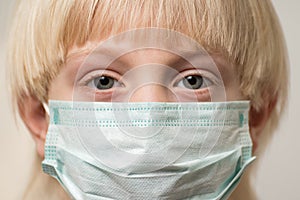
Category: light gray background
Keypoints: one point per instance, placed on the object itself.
(278, 175)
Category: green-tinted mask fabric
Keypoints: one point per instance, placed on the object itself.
(147, 150)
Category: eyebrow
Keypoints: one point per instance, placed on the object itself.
(115, 48)
(109, 55)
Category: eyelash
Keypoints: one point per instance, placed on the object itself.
(94, 75)
(208, 78)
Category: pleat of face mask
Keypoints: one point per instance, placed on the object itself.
(148, 150)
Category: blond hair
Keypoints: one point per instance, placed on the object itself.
(246, 32)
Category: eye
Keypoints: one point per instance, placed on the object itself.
(103, 83)
(193, 82)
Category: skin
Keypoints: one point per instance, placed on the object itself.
(74, 77)
(76, 83)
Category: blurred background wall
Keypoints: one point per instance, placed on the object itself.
(278, 175)
(16, 146)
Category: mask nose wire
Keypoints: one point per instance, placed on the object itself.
(46, 107)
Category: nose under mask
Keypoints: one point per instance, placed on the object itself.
(151, 150)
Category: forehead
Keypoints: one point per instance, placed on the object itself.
(148, 45)
(141, 38)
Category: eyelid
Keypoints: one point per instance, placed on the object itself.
(97, 73)
(196, 72)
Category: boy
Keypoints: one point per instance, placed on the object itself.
(73, 52)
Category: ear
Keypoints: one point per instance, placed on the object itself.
(258, 120)
(35, 118)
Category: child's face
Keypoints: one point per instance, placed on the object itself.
(128, 71)
(149, 138)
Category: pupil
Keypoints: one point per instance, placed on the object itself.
(104, 80)
(193, 82)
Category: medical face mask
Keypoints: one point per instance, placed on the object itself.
(144, 151)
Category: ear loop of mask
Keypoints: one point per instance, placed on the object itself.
(46, 107)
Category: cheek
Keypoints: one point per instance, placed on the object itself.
(230, 79)
(232, 88)
(61, 87)
(234, 94)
